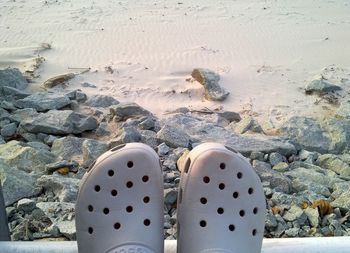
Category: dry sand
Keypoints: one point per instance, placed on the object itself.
(143, 51)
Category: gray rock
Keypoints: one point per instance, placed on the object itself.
(210, 81)
(38, 145)
(64, 188)
(102, 129)
(313, 216)
(148, 123)
(308, 156)
(59, 122)
(92, 149)
(281, 167)
(257, 156)
(339, 188)
(80, 96)
(50, 139)
(62, 216)
(124, 111)
(8, 105)
(68, 148)
(245, 125)
(16, 184)
(201, 131)
(52, 167)
(26, 205)
(320, 86)
(280, 198)
(332, 162)
(277, 180)
(12, 77)
(22, 114)
(44, 101)
(127, 135)
(306, 132)
(170, 197)
(173, 137)
(275, 158)
(101, 101)
(2, 141)
(20, 156)
(294, 213)
(344, 110)
(163, 149)
(343, 201)
(270, 222)
(7, 91)
(338, 131)
(89, 85)
(292, 232)
(229, 116)
(9, 130)
(150, 138)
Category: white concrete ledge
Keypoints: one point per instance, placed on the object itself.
(290, 245)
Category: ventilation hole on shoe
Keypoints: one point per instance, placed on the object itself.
(255, 210)
(106, 210)
(117, 225)
(222, 166)
(97, 188)
(220, 210)
(129, 184)
(110, 173)
(206, 179)
(231, 227)
(147, 222)
(187, 165)
(146, 199)
(235, 195)
(203, 223)
(250, 191)
(254, 232)
(114, 193)
(130, 164)
(90, 208)
(204, 201)
(221, 186)
(239, 175)
(145, 178)
(180, 196)
(242, 213)
(90, 230)
(129, 209)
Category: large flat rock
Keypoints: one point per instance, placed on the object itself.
(12, 78)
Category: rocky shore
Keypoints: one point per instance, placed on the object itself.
(49, 139)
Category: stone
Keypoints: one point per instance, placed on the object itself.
(173, 137)
(150, 138)
(23, 157)
(310, 176)
(270, 222)
(80, 96)
(102, 129)
(38, 145)
(101, 101)
(8, 105)
(9, 130)
(281, 167)
(92, 149)
(26, 205)
(305, 155)
(16, 184)
(12, 77)
(22, 114)
(59, 122)
(332, 162)
(7, 91)
(275, 158)
(124, 111)
(126, 135)
(163, 149)
(2, 141)
(292, 232)
(64, 188)
(306, 132)
(255, 155)
(44, 101)
(342, 202)
(68, 148)
(343, 110)
(88, 85)
(170, 197)
(294, 213)
(210, 81)
(200, 131)
(338, 131)
(62, 216)
(52, 167)
(277, 180)
(320, 86)
(245, 125)
(148, 123)
(313, 216)
(229, 116)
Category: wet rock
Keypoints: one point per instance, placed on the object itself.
(9, 130)
(101, 101)
(313, 216)
(12, 77)
(173, 137)
(16, 184)
(201, 131)
(44, 101)
(306, 132)
(64, 188)
(20, 156)
(210, 81)
(320, 86)
(245, 125)
(332, 162)
(59, 122)
(26, 205)
(124, 111)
